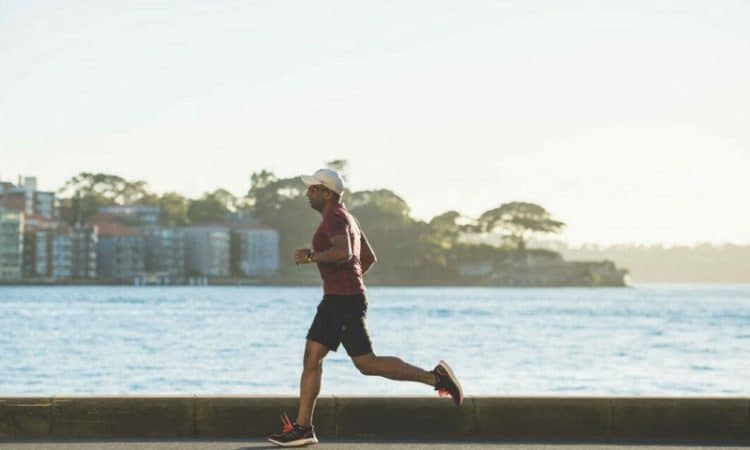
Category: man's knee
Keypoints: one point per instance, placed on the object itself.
(313, 359)
(367, 364)
(311, 363)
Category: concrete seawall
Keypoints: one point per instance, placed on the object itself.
(538, 419)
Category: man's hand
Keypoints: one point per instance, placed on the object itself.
(301, 256)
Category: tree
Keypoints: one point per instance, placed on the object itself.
(83, 195)
(518, 221)
(226, 198)
(212, 207)
(174, 210)
(445, 228)
(381, 204)
(136, 193)
(258, 181)
(111, 189)
(408, 245)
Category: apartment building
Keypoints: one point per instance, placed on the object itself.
(255, 251)
(207, 251)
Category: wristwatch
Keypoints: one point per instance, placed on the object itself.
(310, 255)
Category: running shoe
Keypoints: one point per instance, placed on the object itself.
(293, 435)
(447, 384)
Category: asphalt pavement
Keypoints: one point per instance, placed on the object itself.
(257, 444)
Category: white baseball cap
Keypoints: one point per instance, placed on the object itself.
(328, 178)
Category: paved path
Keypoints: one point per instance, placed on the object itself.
(336, 444)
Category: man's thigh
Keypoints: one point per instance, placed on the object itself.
(355, 337)
(326, 327)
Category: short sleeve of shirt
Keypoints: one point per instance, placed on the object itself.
(336, 226)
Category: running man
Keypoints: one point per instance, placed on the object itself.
(343, 255)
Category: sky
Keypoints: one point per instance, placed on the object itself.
(628, 121)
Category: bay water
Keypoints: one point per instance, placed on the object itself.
(682, 340)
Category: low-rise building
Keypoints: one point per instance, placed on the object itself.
(255, 251)
(11, 244)
(47, 253)
(164, 250)
(207, 251)
(27, 199)
(119, 252)
(44, 204)
(84, 242)
(54, 250)
(13, 199)
(62, 256)
(37, 245)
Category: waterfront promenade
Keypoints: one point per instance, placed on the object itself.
(226, 421)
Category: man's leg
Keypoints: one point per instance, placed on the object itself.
(356, 340)
(309, 386)
(393, 368)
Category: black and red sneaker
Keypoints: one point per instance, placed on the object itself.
(447, 384)
(293, 435)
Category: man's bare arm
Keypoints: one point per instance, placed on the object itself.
(340, 251)
(367, 254)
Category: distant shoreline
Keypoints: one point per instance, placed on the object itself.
(228, 283)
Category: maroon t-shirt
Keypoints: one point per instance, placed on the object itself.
(343, 278)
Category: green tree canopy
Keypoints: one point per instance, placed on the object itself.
(212, 207)
(110, 189)
(83, 195)
(446, 229)
(518, 221)
(258, 181)
(408, 245)
(174, 210)
(226, 198)
(381, 202)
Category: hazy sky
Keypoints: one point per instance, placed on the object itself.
(628, 120)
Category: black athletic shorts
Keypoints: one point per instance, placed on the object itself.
(341, 319)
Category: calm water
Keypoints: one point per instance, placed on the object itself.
(645, 340)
